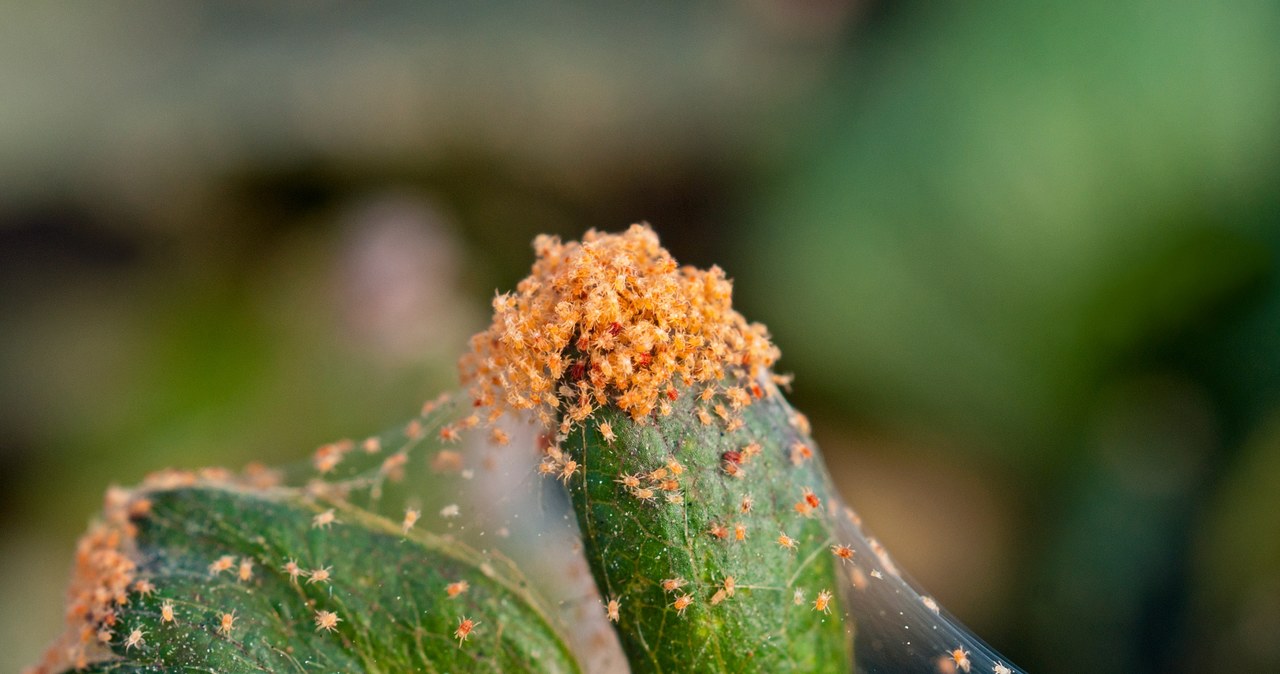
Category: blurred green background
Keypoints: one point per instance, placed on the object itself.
(1022, 260)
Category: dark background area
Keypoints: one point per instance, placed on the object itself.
(1022, 261)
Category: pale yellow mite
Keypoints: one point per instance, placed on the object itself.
(291, 567)
(226, 623)
(411, 516)
(324, 520)
(135, 638)
(327, 621)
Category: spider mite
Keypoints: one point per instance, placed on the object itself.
(455, 589)
(566, 472)
(628, 480)
(731, 462)
(393, 466)
(227, 623)
(844, 552)
(673, 584)
(801, 423)
(611, 609)
(327, 621)
(134, 639)
(410, 518)
(681, 603)
(739, 532)
(324, 520)
(800, 453)
(719, 531)
(961, 657)
(747, 502)
(669, 484)
(291, 567)
(465, 625)
(786, 541)
(246, 570)
(166, 612)
(606, 432)
(823, 602)
(320, 575)
(223, 563)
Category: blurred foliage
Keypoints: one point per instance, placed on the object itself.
(1022, 260)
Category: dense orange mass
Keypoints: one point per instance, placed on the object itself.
(612, 320)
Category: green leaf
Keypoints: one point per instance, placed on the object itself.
(388, 589)
(633, 543)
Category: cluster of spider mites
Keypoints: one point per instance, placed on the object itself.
(106, 577)
(611, 321)
(614, 321)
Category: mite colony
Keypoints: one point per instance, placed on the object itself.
(105, 579)
(105, 576)
(612, 321)
(615, 322)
